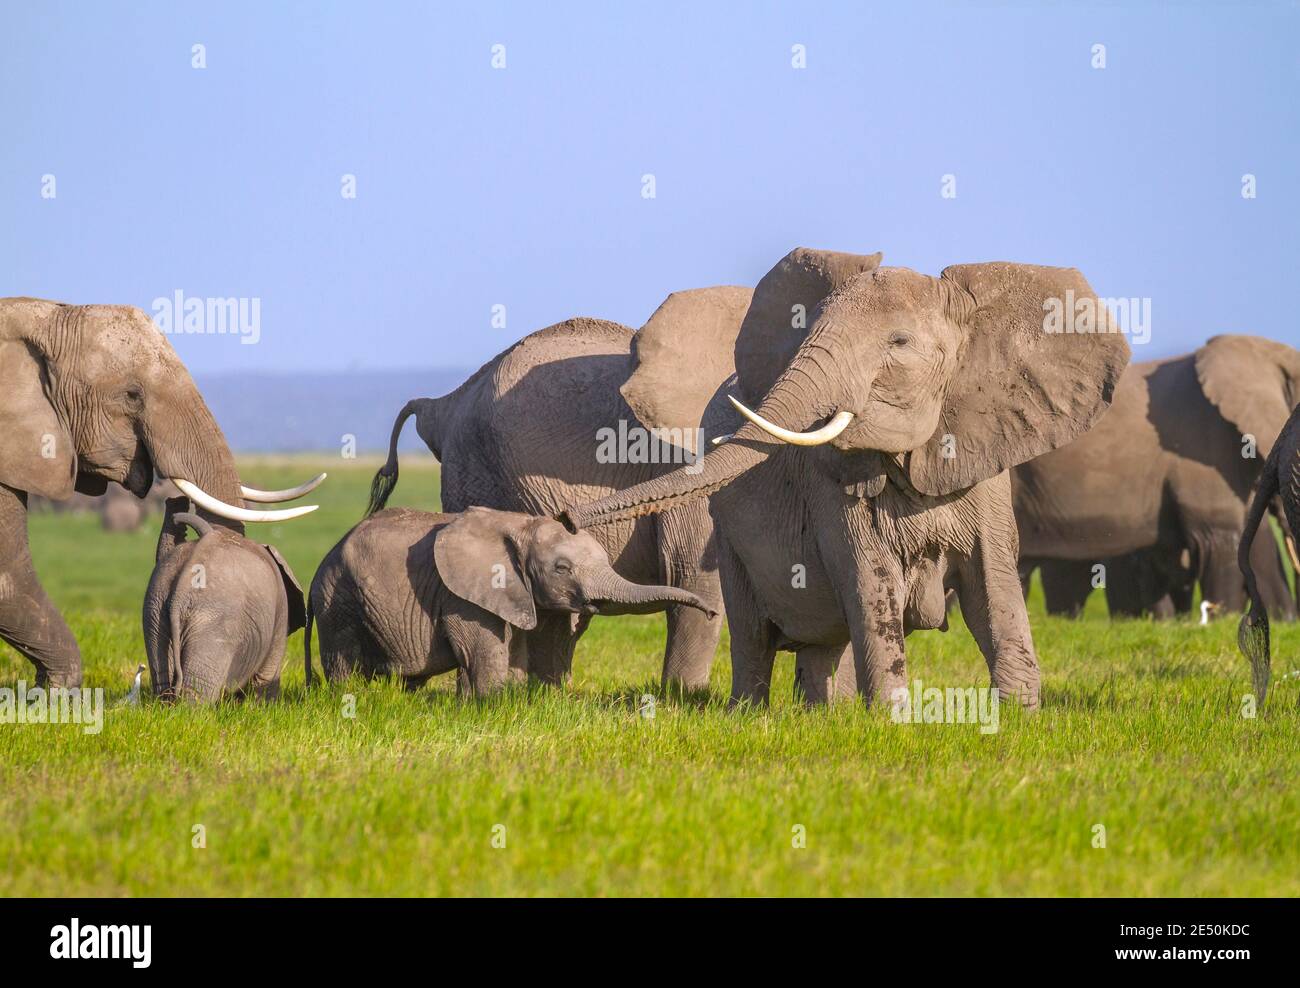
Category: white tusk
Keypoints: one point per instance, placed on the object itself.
(815, 438)
(719, 440)
(274, 497)
(202, 499)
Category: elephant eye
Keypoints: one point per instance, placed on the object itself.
(900, 339)
(563, 567)
(134, 394)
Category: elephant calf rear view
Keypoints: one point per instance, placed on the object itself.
(414, 594)
(217, 611)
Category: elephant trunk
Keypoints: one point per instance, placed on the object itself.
(614, 595)
(747, 448)
(190, 446)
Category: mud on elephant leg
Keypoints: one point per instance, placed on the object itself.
(824, 674)
(876, 627)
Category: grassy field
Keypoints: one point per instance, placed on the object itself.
(1141, 733)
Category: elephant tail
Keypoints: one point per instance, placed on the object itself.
(306, 641)
(175, 647)
(1253, 632)
(425, 410)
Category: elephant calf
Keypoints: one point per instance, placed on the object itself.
(217, 611)
(414, 594)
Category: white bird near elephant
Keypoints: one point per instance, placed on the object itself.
(133, 697)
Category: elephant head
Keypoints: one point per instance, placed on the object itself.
(95, 393)
(513, 564)
(1253, 382)
(957, 377)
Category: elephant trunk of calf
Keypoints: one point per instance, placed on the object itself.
(614, 595)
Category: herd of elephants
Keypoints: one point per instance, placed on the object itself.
(829, 461)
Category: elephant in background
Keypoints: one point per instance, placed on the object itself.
(217, 611)
(541, 425)
(874, 471)
(1164, 477)
(466, 586)
(93, 394)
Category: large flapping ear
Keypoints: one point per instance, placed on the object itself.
(480, 559)
(1253, 382)
(681, 355)
(786, 304)
(292, 590)
(37, 454)
(1037, 367)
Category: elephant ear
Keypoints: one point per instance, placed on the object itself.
(292, 590)
(36, 450)
(1022, 385)
(681, 355)
(1253, 382)
(786, 303)
(479, 559)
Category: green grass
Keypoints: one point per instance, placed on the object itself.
(1141, 732)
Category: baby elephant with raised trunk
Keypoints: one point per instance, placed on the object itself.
(217, 611)
(414, 594)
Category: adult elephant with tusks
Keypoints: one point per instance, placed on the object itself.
(874, 470)
(91, 394)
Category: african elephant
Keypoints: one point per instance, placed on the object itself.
(541, 426)
(896, 416)
(1280, 479)
(415, 594)
(1167, 471)
(91, 394)
(217, 611)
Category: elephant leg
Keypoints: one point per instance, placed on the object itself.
(29, 621)
(1221, 581)
(1067, 584)
(481, 643)
(995, 612)
(753, 639)
(872, 591)
(550, 647)
(825, 674)
(1270, 575)
(876, 628)
(1163, 609)
(687, 546)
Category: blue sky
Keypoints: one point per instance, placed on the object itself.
(522, 186)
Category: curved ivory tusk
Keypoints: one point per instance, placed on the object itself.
(207, 502)
(719, 440)
(274, 497)
(815, 438)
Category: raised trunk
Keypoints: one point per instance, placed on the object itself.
(785, 405)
